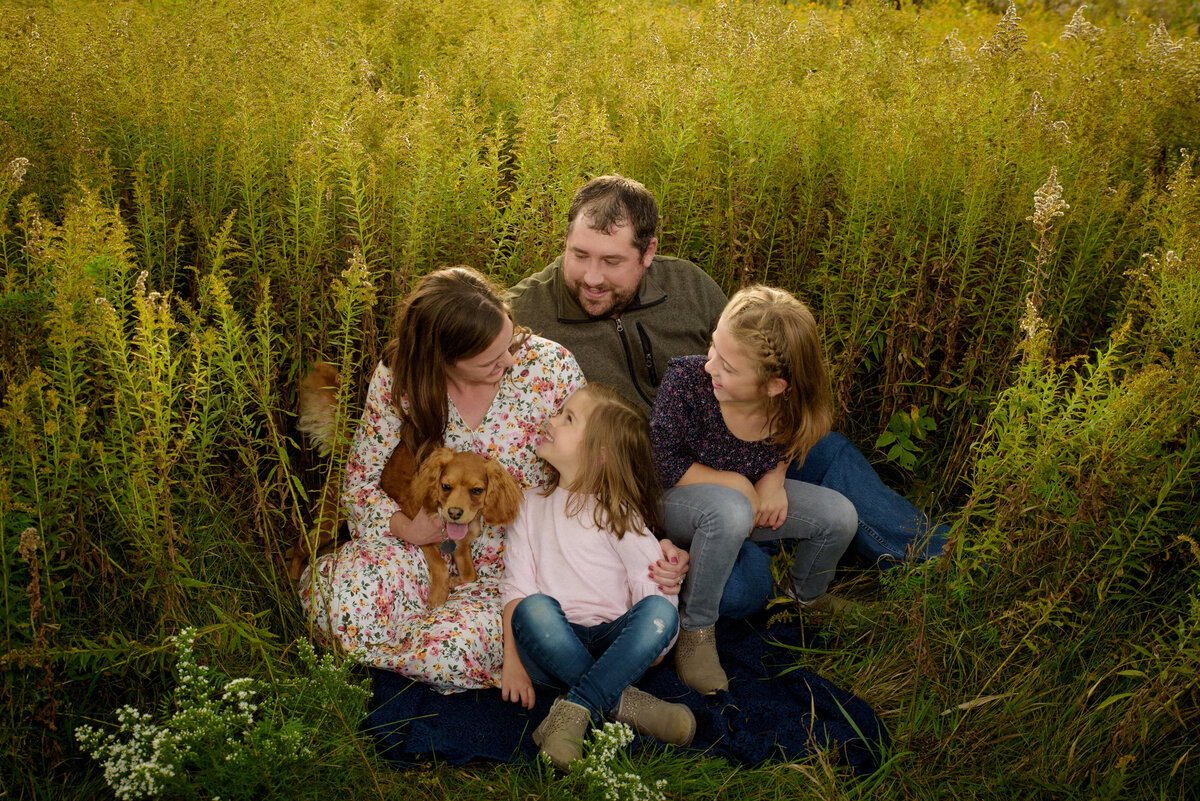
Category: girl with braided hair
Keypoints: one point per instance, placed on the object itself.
(725, 427)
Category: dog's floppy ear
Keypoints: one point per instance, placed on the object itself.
(503, 499)
(426, 484)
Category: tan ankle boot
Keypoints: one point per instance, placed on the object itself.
(828, 604)
(697, 663)
(645, 714)
(560, 735)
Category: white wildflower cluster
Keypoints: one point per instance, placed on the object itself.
(238, 696)
(354, 286)
(17, 168)
(816, 29)
(1174, 64)
(952, 47)
(1037, 108)
(1080, 29)
(193, 678)
(31, 541)
(1161, 47)
(139, 759)
(1036, 115)
(1061, 130)
(1048, 202)
(599, 767)
(215, 720)
(1170, 265)
(1031, 322)
(1182, 180)
(1008, 39)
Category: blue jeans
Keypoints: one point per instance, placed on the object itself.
(890, 529)
(594, 663)
(750, 584)
(712, 522)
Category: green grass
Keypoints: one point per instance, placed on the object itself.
(198, 199)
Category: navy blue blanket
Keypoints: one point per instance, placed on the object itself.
(773, 711)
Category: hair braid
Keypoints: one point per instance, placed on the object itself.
(781, 335)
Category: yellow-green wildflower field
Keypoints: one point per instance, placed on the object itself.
(993, 210)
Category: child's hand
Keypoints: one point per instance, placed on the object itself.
(772, 507)
(515, 684)
(668, 573)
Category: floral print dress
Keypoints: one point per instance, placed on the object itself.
(370, 594)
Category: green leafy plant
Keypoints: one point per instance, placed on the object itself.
(906, 430)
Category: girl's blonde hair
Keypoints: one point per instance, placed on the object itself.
(617, 466)
(780, 335)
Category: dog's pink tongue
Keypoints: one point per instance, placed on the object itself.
(456, 531)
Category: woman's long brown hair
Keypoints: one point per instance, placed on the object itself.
(450, 315)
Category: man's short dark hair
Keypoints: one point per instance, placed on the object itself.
(615, 200)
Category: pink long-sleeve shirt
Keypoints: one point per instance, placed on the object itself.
(594, 576)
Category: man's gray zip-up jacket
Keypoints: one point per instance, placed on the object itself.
(673, 314)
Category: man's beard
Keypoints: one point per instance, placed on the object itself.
(614, 304)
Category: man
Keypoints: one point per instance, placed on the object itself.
(620, 308)
(624, 311)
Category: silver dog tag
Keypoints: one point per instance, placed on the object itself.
(448, 546)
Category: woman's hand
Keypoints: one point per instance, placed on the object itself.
(421, 530)
(668, 573)
(515, 684)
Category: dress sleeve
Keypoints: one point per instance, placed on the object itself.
(544, 376)
(368, 508)
(568, 377)
(670, 428)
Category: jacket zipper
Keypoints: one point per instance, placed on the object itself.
(648, 353)
(629, 359)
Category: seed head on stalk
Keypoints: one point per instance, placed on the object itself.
(1047, 204)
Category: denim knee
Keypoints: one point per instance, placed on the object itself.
(539, 618)
(539, 628)
(709, 508)
(657, 606)
(844, 523)
(662, 613)
(536, 611)
(730, 514)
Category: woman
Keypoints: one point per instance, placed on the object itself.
(456, 372)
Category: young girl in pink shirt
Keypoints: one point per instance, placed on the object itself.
(581, 612)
